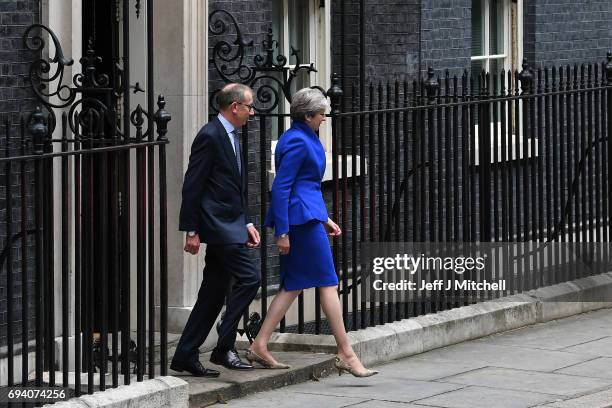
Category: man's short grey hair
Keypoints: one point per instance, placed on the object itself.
(307, 102)
(231, 93)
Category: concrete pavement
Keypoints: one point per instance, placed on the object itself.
(565, 363)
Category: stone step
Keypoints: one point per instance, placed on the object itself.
(236, 384)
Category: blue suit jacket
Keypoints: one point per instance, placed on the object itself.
(296, 191)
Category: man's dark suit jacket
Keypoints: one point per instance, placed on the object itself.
(214, 193)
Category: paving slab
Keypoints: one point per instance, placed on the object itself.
(505, 356)
(415, 369)
(529, 381)
(556, 335)
(482, 397)
(600, 367)
(379, 387)
(601, 399)
(385, 404)
(284, 398)
(602, 316)
(599, 347)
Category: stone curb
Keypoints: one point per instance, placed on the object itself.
(157, 393)
(416, 335)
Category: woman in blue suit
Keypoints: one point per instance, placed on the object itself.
(301, 224)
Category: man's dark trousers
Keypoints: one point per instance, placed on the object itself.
(223, 262)
(215, 206)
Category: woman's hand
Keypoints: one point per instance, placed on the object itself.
(332, 228)
(282, 243)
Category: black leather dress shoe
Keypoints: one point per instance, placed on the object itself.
(195, 368)
(229, 359)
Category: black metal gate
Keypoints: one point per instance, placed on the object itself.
(85, 175)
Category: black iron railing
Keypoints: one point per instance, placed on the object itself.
(485, 157)
(70, 239)
(503, 157)
(86, 207)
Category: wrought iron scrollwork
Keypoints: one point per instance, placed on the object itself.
(251, 329)
(47, 84)
(271, 76)
(90, 120)
(137, 118)
(96, 107)
(89, 78)
(267, 61)
(138, 8)
(225, 54)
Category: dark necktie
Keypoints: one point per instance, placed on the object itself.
(237, 151)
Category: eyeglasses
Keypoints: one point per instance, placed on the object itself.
(251, 107)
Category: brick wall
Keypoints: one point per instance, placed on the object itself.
(446, 35)
(391, 38)
(555, 32)
(395, 49)
(560, 32)
(15, 94)
(16, 98)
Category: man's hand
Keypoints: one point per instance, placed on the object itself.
(192, 244)
(332, 228)
(254, 239)
(282, 243)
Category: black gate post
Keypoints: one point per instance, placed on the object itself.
(38, 130)
(609, 131)
(48, 250)
(162, 117)
(335, 95)
(526, 79)
(432, 87)
(484, 158)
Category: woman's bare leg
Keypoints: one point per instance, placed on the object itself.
(333, 311)
(279, 306)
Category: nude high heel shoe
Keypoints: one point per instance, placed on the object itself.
(343, 366)
(254, 357)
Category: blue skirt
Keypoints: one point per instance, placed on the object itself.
(309, 262)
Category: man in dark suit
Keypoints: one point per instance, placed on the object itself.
(214, 211)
